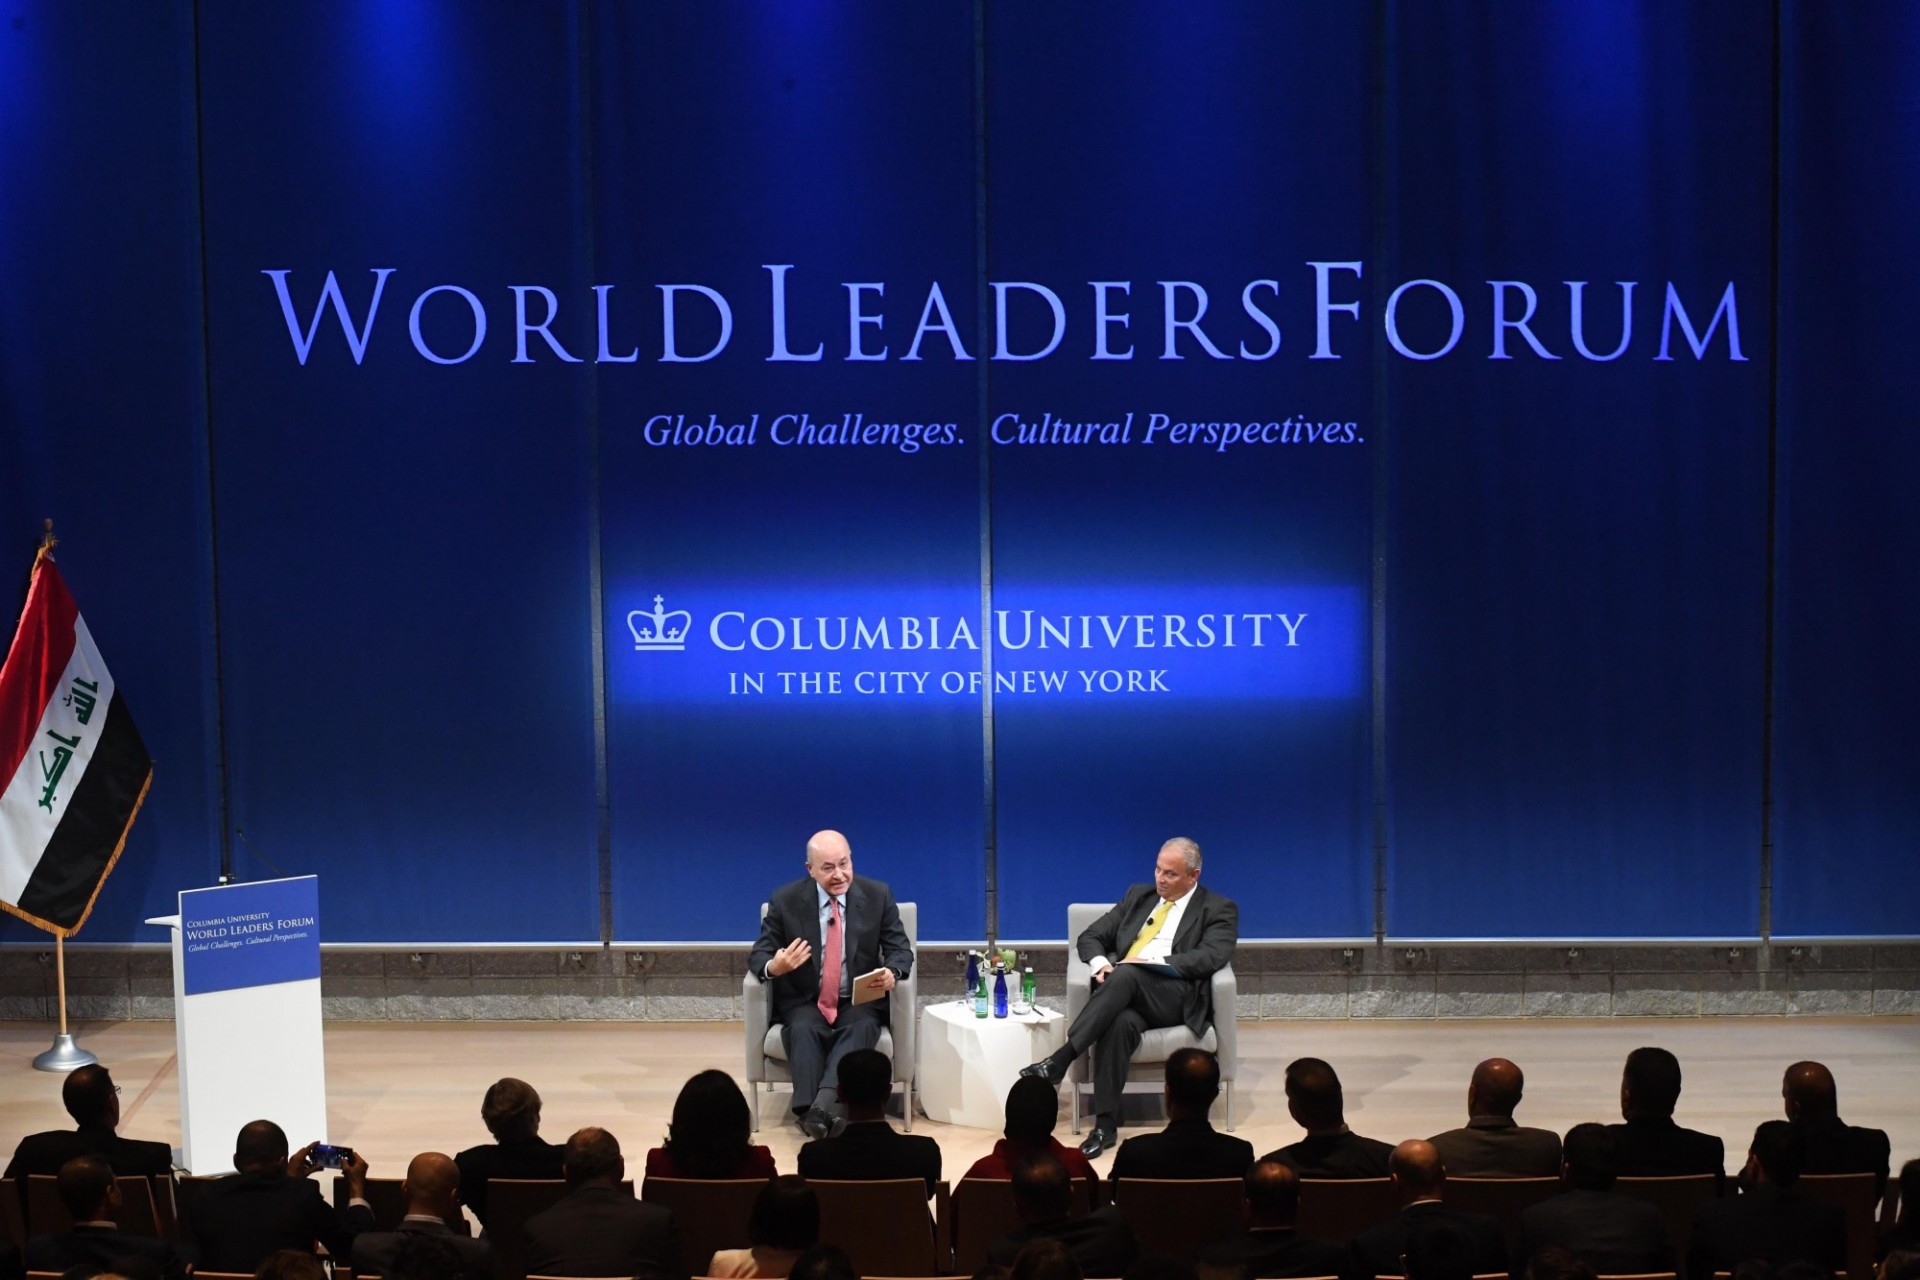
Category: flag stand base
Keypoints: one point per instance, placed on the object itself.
(64, 1056)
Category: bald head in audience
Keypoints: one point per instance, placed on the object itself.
(1416, 1170)
(432, 1186)
(1272, 1190)
(1495, 1088)
(593, 1155)
(1808, 1091)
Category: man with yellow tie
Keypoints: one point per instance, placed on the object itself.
(1172, 936)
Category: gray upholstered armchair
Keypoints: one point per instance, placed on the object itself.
(1149, 1060)
(767, 1057)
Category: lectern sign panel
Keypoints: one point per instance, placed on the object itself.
(250, 935)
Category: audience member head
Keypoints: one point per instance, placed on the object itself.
(709, 1135)
(90, 1097)
(432, 1186)
(1495, 1089)
(786, 1215)
(592, 1155)
(428, 1257)
(1044, 1259)
(1416, 1171)
(1650, 1085)
(87, 1189)
(511, 1110)
(1273, 1194)
(866, 1080)
(1910, 1194)
(290, 1264)
(1808, 1091)
(1033, 1105)
(1438, 1251)
(823, 1262)
(1042, 1191)
(1314, 1099)
(1901, 1264)
(260, 1148)
(1193, 1082)
(1555, 1263)
(1777, 1155)
(1588, 1160)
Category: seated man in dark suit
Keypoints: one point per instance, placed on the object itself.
(1418, 1179)
(1270, 1246)
(511, 1112)
(1833, 1145)
(868, 1149)
(1441, 1252)
(598, 1228)
(1101, 1242)
(1610, 1231)
(1152, 959)
(1188, 1147)
(432, 1192)
(270, 1204)
(92, 1199)
(1330, 1149)
(813, 979)
(1650, 1144)
(1769, 1220)
(1492, 1145)
(93, 1100)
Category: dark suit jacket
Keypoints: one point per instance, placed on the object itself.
(46, 1152)
(1101, 1242)
(373, 1251)
(1336, 1155)
(1276, 1252)
(1768, 1223)
(1184, 1149)
(1496, 1147)
(1376, 1251)
(1209, 931)
(1610, 1231)
(1834, 1146)
(103, 1248)
(243, 1217)
(600, 1230)
(874, 938)
(1659, 1148)
(870, 1150)
(534, 1159)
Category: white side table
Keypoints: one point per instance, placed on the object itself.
(968, 1063)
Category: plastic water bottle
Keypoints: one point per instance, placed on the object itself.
(1028, 990)
(980, 996)
(1000, 993)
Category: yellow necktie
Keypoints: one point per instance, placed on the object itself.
(1150, 929)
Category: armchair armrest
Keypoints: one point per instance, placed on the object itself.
(756, 1006)
(1226, 990)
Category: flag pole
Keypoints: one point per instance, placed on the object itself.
(65, 1054)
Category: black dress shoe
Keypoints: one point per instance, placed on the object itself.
(1041, 1070)
(817, 1123)
(1102, 1137)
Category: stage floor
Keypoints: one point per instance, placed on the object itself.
(395, 1088)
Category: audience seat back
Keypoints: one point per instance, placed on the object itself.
(982, 1210)
(882, 1224)
(1678, 1199)
(1338, 1209)
(13, 1214)
(1855, 1195)
(510, 1202)
(1173, 1217)
(712, 1213)
(46, 1215)
(1502, 1199)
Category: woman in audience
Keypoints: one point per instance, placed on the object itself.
(785, 1224)
(708, 1136)
(1032, 1107)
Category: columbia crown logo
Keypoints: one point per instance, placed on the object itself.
(659, 629)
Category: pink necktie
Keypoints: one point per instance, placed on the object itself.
(830, 966)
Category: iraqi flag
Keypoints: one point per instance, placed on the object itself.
(73, 765)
